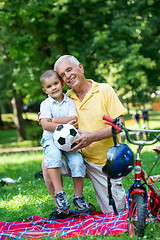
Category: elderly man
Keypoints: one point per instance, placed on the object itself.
(92, 100)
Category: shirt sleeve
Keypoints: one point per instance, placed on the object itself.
(45, 111)
(114, 105)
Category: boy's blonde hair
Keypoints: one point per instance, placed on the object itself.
(48, 74)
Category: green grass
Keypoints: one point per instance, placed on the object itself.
(30, 196)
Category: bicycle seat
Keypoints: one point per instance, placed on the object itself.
(156, 148)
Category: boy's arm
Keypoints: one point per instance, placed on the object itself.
(47, 124)
(64, 120)
(51, 124)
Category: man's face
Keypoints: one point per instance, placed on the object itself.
(71, 73)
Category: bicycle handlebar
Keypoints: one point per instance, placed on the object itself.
(111, 122)
(120, 126)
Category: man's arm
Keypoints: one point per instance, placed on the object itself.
(87, 138)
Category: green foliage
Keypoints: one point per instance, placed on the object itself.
(117, 41)
(8, 133)
(129, 56)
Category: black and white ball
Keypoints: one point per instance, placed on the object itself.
(64, 135)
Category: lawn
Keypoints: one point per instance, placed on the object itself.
(30, 196)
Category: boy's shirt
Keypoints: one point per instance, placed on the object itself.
(50, 108)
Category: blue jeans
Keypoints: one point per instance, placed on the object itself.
(53, 158)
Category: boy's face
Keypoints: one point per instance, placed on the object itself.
(53, 87)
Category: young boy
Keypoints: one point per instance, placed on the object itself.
(55, 110)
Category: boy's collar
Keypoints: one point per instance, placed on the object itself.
(53, 100)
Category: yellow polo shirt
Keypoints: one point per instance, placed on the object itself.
(100, 100)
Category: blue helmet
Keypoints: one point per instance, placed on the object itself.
(120, 161)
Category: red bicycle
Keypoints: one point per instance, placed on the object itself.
(140, 203)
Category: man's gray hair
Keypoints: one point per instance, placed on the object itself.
(71, 58)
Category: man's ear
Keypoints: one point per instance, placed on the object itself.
(81, 67)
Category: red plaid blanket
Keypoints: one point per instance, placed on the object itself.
(95, 223)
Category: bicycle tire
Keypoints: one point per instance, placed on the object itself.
(137, 218)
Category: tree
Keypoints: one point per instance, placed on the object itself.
(117, 41)
(130, 41)
(18, 120)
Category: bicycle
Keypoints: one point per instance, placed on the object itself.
(140, 203)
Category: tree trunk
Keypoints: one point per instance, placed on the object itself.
(18, 119)
(1, 122)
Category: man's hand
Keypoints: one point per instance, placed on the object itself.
(87, 138)
(74, 122)
(39, 120)
(83, 141)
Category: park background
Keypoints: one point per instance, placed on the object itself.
(117, 42)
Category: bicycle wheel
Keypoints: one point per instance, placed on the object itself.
(137, 218)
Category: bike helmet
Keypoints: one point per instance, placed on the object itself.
(120, 161)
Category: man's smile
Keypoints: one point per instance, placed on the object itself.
(72, 80)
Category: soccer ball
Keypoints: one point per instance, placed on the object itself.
(64, 135)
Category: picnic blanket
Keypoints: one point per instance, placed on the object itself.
(92, 223)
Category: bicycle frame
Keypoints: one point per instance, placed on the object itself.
(137, 196)
(139, 172)
(137, 186)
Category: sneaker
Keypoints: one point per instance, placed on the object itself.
(58, 215)
(62, 200)
(81, 204)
